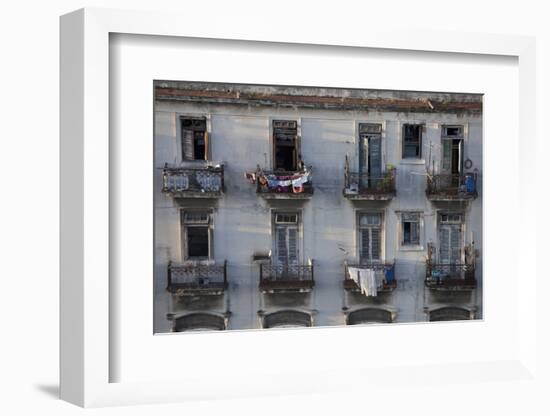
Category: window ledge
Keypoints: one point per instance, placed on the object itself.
(412, 248)
(412, 162)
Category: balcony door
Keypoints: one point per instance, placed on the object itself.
(370, 154)
(370, 230)
(287, 236)
(452, 145)
(450, 239)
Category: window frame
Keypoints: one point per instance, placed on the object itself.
(207, 137)
(382, 231)
(298, 122)
(299, 233)
(186, 224)
(421, 238)
(422, 128)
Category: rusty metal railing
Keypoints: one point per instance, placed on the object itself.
(449, 276)
(203, 179)
(197, 277)
(456, 185)
(287, 276)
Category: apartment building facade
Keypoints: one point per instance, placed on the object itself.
(285, 206)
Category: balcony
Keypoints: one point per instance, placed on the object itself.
(197, 279)
(286, 278)
(384, 274)
(284, 185)
(450, 277)
(452, 187)
(363, 187)
(193, 182)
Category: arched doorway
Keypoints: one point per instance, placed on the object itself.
(200, 321)
(369, 315)
(450, 313)
(287, 318)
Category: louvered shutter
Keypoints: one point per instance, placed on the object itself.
(206, 145)
(292, 245)
(445, 244)
(415, 233)
(375, 156)
(281, 245)
(188, 144)
(365, 245)
(446, 160)
(455, 243)
(375, 243)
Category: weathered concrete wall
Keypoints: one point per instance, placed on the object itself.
(240, 137)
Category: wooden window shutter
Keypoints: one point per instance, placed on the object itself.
(375, 243)
(292, 245)
(446, 162)
(281, 245)
(444, 245)
(188, 142)
(206, 148)
(455, 243)
(365, 245)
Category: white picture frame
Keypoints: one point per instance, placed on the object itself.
(86, 304)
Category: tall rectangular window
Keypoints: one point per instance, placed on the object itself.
(412, 141)
(410, 226)
(194, 138)
(450, 238)
(370, 154)
(197, 234)
(452, 144)
(285, 142)
(286, 226)
(370, 235)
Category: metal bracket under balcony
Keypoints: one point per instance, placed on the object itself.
(384, 278)
(286, 277)
(193, 182)
(197, 279)
(450, 277)
(452, 187)
(284, 185)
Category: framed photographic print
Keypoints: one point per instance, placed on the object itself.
(289, 212)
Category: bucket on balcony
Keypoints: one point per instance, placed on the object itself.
(389, 274)
(470, 183)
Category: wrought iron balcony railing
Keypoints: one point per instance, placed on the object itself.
(456, 276)
(286, 277)
(364, 186)
(193, 182)
(197, 278)
(284, 185)
(384, 275)
(452, 187)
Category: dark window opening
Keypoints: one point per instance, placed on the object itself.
(285, 139)
(197, 242)
(194, 138)
(412, 141)
(411, 229)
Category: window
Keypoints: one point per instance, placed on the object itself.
(370, 230)
(286, 146)
(370, 154)
(450, 238)
(194, 138)
(452, 143)
(286, 234)
(410, 224)
(197, 234)
(412, 141)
